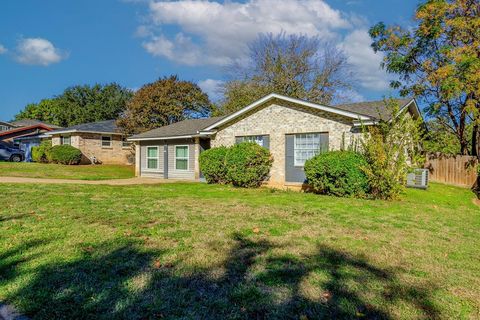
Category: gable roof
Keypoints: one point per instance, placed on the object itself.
(107, 126)
(373, 109)
(21, 129)
(182, 129)
(346, 113)
(32, 122)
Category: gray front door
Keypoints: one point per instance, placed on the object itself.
(295, 173)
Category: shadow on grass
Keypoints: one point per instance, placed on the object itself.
(121, 281)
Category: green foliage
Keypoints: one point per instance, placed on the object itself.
(248, 164)
(65, 154)
(212, 165)
(338, 173)
(80, 104)
(163, 102)
(391, 148)
(39, 153)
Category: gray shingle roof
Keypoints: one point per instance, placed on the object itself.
(107, 126)
(32, 122)
(183, 128)
(374, 109)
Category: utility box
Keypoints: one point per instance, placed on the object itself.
(418, 179)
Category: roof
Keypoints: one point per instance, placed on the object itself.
(373, 109)
(6, 123)
(20, 129)
(107, 126)
(185, 128)
(32, 122)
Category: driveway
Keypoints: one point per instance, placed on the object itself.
(112, 182)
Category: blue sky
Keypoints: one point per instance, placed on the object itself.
(48, 45)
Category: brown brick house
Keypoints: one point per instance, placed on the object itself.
(99, 142)
(293, 130)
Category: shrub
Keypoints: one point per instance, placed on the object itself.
(65, 154)
(39, 153)
(248, 164)
(212, 165)
(337, 173)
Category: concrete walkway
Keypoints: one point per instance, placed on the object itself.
(112, 182)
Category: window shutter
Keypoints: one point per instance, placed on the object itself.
(238, 140)
(266, 142)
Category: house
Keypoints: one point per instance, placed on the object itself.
(99, 142)
(5, 126)
(25, 134)
(293, 130)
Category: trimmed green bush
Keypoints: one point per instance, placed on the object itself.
(65, 154)
(338, 173)
(212, 165)
(248, 164)
(39, 153)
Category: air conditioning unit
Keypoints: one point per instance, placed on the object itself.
(418, 179)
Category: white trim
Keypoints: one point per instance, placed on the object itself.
(148, 158)
(295, 164)
(288, 99)
(101, 141)
(163, 138)
(62, 140)
(182, 158)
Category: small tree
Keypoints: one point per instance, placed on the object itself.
(391, 148)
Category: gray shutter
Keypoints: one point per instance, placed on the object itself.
(165, 161)
(238, 140)
(324, 143)
(292, 173)
(266, 142)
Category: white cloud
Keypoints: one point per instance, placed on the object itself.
(2, 49)
(212, 87)
(364, 60)
(224, 30)
(38, 51)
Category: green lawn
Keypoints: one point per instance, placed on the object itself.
(197, 251)
(58, 171)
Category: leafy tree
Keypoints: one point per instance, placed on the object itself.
(80, 104)
(438, 139)
(390, 152)
(439, 61)
(294, 65)
(165, 101)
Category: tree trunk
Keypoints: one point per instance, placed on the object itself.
(475, 141)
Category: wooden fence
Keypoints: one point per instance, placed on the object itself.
(456, 170)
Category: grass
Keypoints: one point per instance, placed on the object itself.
(197, 251)
(57, 171)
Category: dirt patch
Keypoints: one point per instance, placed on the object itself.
(476, 201)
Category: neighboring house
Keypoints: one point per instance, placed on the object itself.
(5, 126)
(293, 130)
(26, 134)
(100, 142)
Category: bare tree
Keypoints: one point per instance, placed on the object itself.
(294, 65)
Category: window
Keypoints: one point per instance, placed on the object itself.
(306, 146)
(152, 157)
(106, 141)
(125, 143)
(181, 157)
(66, 140)
(257, 139)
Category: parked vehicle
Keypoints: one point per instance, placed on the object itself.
(11, 154)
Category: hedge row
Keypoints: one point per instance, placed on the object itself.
(62, 154)
(244, 165)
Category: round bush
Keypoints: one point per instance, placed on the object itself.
(65, 154)
(39, 153)
(248, 164)
(338, 173)
(212, 165)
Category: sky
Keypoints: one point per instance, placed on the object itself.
(49, 45)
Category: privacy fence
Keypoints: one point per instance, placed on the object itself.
(456, 170)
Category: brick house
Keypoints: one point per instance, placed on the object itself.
(293, 130)
(99, 142)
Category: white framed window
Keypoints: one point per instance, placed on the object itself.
(181, 157)
(106, 141)
(257, 139)
(66, 140)
(125, 143)
(306, 146)
(152, 158)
